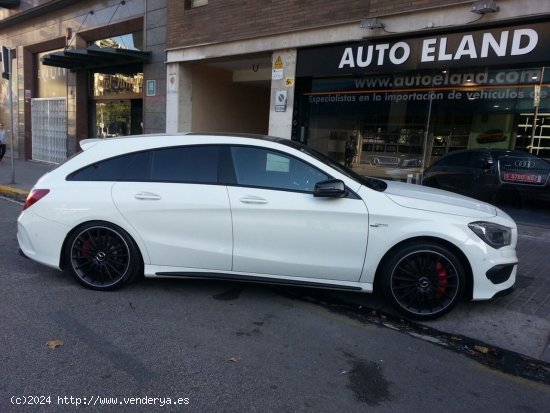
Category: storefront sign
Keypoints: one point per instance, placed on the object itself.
(117, 85)
(507, 45)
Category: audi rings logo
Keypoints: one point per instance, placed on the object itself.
(524, 164)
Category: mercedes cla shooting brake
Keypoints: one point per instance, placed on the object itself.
(263, 209)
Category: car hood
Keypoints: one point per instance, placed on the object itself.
(437, 200)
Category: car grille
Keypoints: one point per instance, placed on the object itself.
(524, 170)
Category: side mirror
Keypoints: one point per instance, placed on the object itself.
(332, 188)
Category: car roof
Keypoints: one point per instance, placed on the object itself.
(269, 138)
(255, 136)
(494, 151)
(141, 142)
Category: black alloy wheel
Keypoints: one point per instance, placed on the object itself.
(423, 281)
(102, 256)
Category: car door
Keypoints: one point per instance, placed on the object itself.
(280, 228)
(172, 199)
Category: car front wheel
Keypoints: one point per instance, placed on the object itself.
(102, 256)
(423, 281)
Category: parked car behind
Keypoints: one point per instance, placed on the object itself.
(492, 175)
(265, 210)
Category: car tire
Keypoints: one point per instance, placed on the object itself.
(422, 280)
(102, 256)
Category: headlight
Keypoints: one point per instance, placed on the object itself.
(495, 235)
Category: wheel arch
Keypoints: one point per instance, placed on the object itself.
(468, 288)
(62, 255)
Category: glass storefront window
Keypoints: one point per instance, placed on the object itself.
(401, 123)
(117, 92)
(112, 118)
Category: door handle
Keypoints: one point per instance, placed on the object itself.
(252, 200)
(147, 196)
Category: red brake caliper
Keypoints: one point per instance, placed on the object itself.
(442, 282)
(86, 248)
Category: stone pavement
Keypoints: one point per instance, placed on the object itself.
(519, 322)
(18, 177)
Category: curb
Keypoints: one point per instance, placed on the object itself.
(14, 193)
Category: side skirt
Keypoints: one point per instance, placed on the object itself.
(254, 279)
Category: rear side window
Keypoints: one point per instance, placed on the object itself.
(185, 164)
(106, 170)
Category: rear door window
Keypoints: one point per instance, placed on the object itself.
(190, 164)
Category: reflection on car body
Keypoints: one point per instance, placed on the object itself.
(266, 210)
(492, 175)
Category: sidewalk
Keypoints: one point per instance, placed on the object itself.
(25, 174)
(518, 322)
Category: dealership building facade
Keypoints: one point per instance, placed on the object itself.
(81, 69)
(405, 83)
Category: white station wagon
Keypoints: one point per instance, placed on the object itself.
(263, 209)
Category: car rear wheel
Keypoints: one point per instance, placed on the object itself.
(102, 256)
(423, 281)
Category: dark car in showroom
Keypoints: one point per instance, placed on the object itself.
(493, 175)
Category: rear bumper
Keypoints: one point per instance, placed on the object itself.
(40, 239)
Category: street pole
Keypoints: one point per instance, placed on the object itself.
(10, 100)
(7, 74)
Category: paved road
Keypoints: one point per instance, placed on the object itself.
(226, 347)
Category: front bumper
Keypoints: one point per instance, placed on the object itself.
(500, 273)
(494, 273)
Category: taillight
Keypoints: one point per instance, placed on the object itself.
(34, 196)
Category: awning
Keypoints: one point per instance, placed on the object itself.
(95, 57)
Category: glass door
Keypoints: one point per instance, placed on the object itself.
(110, 119)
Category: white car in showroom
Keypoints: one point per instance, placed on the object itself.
(263, 209)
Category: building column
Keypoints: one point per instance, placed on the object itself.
(179, 92)
(282, 80)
